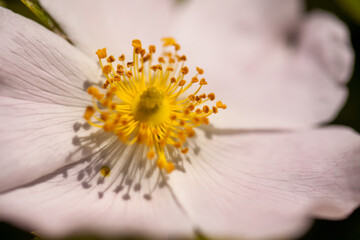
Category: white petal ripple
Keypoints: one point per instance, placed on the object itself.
(270, 73)
(93, 24)
(43, 96)
(257, 185)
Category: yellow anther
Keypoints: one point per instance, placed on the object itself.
(177, 144)
(142, 52)
(170, 69)
(219, 104)
(194, 80)
(177, 46)
(203, 82)
(150, 154)
(101, 53)
(93, 91)
(129, 74)
(120, 72)
(205, 120)
(89, 112)
(196, 120)
(211, 96)
(152, 49)
(206, 109)
(191, 107)
(173, 80)
(191, 97)
(168, 41)
(184, 70)
(199, 70)
(105, 171)
(169, 167)
(186, 111)
(190, 132)
(136, 43)
(110, 59)
(198, 111)
(183, 58)
(171, 60)
(161, 60)
(130, 64)
(182, 83)
(107, 69)
(104, 116)
(202, 95)
(146, 58)
(173, 117)
(108, 126)
(122, 58)
(215, 109)
(185, 150)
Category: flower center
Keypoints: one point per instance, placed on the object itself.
(151, 107)
(151, 104)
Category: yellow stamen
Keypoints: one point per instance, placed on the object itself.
(150, 104)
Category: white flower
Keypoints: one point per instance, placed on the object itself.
(245, 180)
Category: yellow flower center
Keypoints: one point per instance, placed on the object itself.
(151, 104)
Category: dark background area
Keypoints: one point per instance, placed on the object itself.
(348, 229)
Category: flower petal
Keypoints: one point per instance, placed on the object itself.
(42, 100)
(257, 185)
(79, 200)
(268, 78)
(113, 24)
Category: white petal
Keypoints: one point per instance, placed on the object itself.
(266, 81)
(113, 24)
(132, 200)
(257, 185)
(42, 99)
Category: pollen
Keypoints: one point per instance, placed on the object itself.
(105, 171)
(151, 101)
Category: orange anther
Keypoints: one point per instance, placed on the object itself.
(185, 150)
(184, 70)
(150, 154)
(152, 49)
(89, 112)
(206, 109)
(215, 109)
(203, 82)
(101, 53)
(199, 70)
(107, 69)
(211, 96)
(194, 80)
(182, 83)
(136, 43)
(111, 59)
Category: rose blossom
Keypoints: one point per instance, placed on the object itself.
(264, 169)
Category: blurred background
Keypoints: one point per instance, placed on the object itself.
(349, 229)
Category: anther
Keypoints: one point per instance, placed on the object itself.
(182, 83)
(211, 96)
(107, 69)
(110, 59)
(101, 53)
(136, 43)
(203, 82)
(89, 112)
(105, 171)
(199, 70)
(184, 70)
(152, 49)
